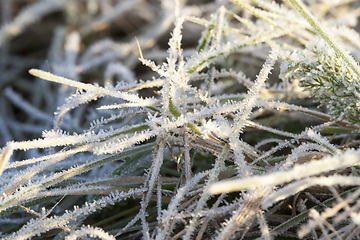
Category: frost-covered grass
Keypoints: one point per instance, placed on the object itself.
(245, 125)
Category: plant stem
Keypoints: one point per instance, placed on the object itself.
(301, 8)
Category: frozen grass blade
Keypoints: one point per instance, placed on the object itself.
(146, 144)
(326, 35)
(330, 163)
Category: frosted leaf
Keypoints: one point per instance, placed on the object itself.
(28, 16)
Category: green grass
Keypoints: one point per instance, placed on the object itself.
(179, 119)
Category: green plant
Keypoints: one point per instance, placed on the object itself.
(211, 146)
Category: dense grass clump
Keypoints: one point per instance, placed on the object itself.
(175, 119)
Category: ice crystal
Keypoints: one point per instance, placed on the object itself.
(215, 137)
